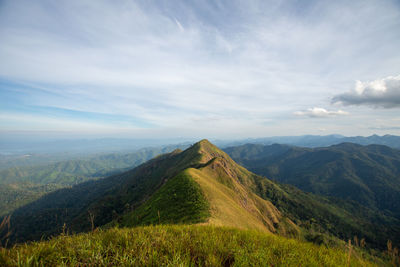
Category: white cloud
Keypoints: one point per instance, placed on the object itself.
(378, 93)
(320, 113)
(168, 63)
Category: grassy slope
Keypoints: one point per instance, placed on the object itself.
(227, 202)
(243, 199)
(225, 183)
(180, 200)
(232, 204)
(177, 246)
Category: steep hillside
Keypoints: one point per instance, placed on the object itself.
(103, 199)
(223, 183)
(200, 185)
(23, 184)
(369, 175)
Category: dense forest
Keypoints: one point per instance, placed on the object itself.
(369, 175)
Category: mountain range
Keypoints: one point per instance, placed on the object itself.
(201, 185)
(313, 141)
(369, 174)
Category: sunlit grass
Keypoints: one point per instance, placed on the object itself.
(177, 245)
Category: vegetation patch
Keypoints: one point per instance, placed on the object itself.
(180, 200)
(181, 245)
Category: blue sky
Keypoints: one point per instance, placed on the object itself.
(215, 69)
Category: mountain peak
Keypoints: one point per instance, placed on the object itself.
(204, 141)
(206, 145)
(208, 151)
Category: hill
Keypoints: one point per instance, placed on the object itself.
(223, 184)
(201, 185)
(369, 174)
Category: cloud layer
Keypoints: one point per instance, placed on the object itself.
(192, 67)
(384, 93)
(320, 113)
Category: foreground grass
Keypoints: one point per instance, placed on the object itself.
(178, 245)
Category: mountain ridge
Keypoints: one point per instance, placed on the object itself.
(234, 197)
(228, 199)
(313, 141)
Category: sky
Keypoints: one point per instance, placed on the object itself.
(199, 69)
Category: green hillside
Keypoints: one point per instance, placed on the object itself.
(23, 184)
(179, 201)
(180, 245)
(104, 198)
(369, 175)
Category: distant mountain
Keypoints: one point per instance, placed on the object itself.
(23, 184)
(318, 140)
(71, 172)
(200, 185)
(369, 174)
(29, 159)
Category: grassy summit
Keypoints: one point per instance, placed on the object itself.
(210, 189)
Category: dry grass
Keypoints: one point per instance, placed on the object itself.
(232, 204)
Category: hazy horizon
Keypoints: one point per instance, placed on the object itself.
(17, 145)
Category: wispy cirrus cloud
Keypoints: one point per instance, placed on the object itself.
(382, 93)
(320, 113)
(176, 64)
